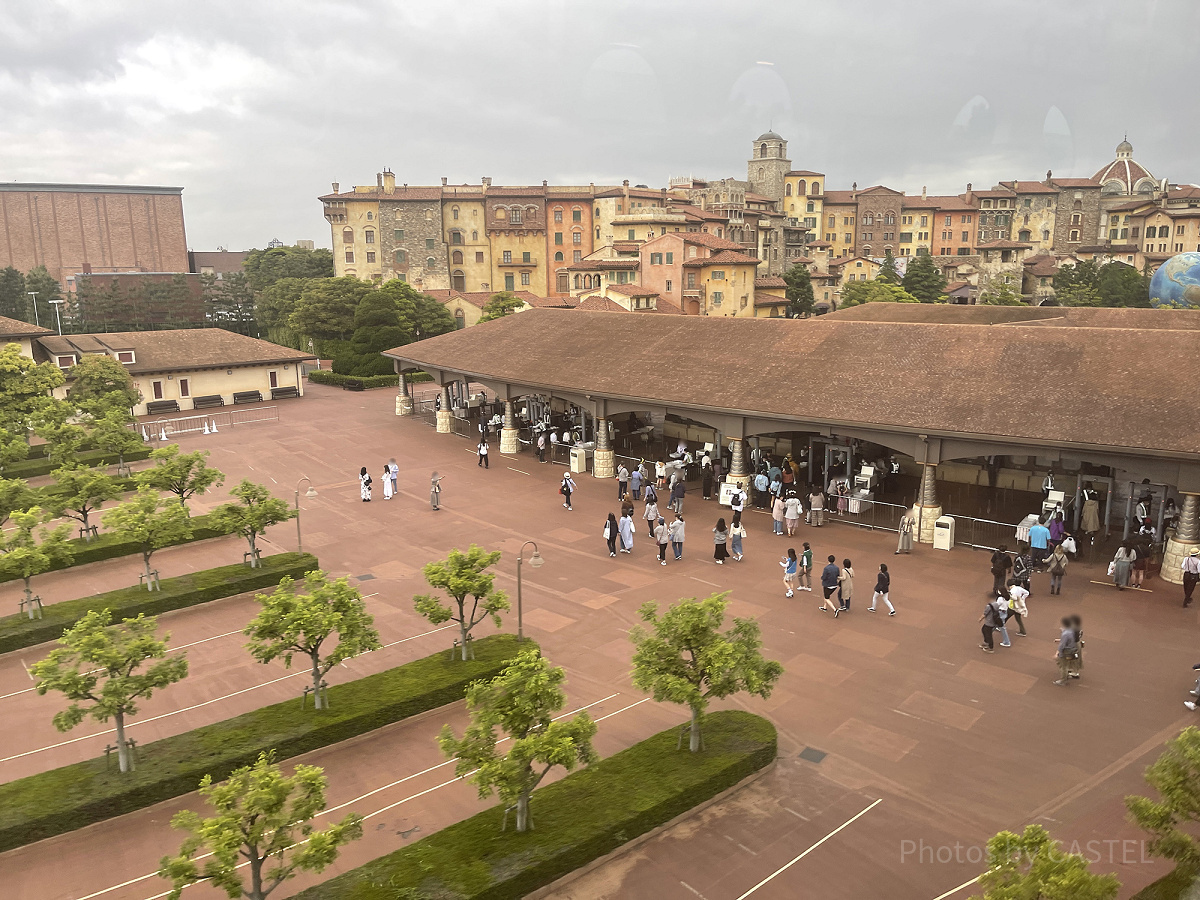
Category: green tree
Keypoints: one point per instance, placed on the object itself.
(111, 432)
(24, 554)
(25, 400)
(799, 291)
(15, 494)
(81, 491)
(856, 293)
(923, 279)
(1171, 820)
(263, 821)
(40, 280)
(229, 302)
(1122, 285)
(887, 272)
(150, 522)
(274, 305)
(100, 304)
(377, 327)
(99, 383)
(266, 267)
(182, 474)
(1031, 866)
(291, 622)
(998, 293)
(326, 308)
(500, 305)
(685, 658)
(462, 577)
(99, 667)
(419, 313)
(63, 439)
(1079, 293)
(14, 302)
(255, 513)
(521, 702)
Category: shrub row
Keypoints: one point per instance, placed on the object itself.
(19, 631)
(32, 468)
(320, 376)
(578, 819)
(62, 800)
(109, 546)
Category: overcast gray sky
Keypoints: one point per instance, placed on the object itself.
(254, 107)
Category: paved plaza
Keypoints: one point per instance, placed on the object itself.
(902, 747)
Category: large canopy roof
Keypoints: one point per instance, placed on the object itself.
(1123, 389)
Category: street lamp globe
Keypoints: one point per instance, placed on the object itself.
(536, 560)
(311, 492)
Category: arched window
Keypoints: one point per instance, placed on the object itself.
(456, 237)
(401, 257)
(812, 207)
(558, 214)
(429, 215)
(1078, 204)
(816, 189)
(369, 236)
(347, 235)
(454, 213)
(597, 232)
(787, 191)
(558, 257)
(474, 235)
(578, 282)
(800, 187)
(762, 151)
(456, 257)
(430, 262)
(457, 280)
(1023, 235)
(370, 216)
(501, 215)
(761, 170)
(460, 320)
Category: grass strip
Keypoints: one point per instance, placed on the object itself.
(32, 468)
(578, 819)
(62, 800)
(19, 631)
(1175, 885)
(109, 546)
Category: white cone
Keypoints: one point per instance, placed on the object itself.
(206, 431)
(145, 434)
(162, 435)
(214, 428)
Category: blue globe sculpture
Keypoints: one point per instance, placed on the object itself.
(1177, 282)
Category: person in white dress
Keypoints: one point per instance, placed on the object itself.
(387, 483)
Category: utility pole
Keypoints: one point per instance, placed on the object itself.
(34, 294)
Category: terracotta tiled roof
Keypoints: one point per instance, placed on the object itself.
(1183, 192)
(501, 190)
(596, 303)
(955, 203)
(759, 198)
(840, 197)
(1029, 187)
(15, 328)
(1109, 248)
(722, 258)
(1075, 182)
(479, 298)
(633, 290)
(601, 265)
(377, 194)
(842, 260)
(957, 286)
(1003, 245)
(1132, 205)
(1001, 193)
(769, 281)
(707, 240)
(878, 189)
(919, 203)
(573, 351)
(1126, 171)
(665, 305)
(179, 349)
(806, 173)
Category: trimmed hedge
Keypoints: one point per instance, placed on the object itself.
(109, 546)
(62, 800)
(1175, 885)
(176, 593)
(32, 468)
(579, 819)
(320, 376)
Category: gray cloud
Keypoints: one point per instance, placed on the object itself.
(255, 107)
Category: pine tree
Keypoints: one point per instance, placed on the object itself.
(799, 291)
(887, 272)
(923, 279)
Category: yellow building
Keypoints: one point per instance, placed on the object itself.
(463, 216)
(467, 306)
(839, 221)
(853, 268)
(770, 297)
(354, 223)
(725, 282)
(916, 225)
(804, 200)
(1034, 215)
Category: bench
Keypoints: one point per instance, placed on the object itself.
(208, 401)
(154, 407)
(353, 384)
(281, 393)
(247, 397)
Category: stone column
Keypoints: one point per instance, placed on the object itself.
(1187, 536)
(443, 414)
(737, 463)
(404, 404)
(604, 456)
(927, 509)
(508, 430)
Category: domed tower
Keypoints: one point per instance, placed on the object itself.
(768, 165)
(1124, 176)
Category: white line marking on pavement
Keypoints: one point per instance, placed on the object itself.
(693, 890)
(783, 869)
(953, 891)
(511, 469)
(796, 814)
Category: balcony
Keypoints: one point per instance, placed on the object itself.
(520, 262)
(335, 213)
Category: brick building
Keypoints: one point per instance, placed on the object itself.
(70, 228)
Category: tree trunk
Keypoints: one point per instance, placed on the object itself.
(523, 813)
(87, 532)
(694, 739)
(123, 758)
(28, 597)
(146, 564)
(463, 633)
(316, 683)
(253, 552)
(255, 892)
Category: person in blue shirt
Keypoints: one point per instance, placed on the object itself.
(829, 584)
(790, 564)
(1039, 542)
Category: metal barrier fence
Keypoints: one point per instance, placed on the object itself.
(984, 534)
(214, 421)
(873, 514)
(426, 412)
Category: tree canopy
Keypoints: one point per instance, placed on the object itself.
(377, 327)
(1031, 866)
(14, 302)
(888, 272)
(799, 291)
(25, 400)
(24, 554)
(1172, 819)
(182, 474)
(501, 304)
(856, 293)
(274, 305)
(150, 522)
(229, 302)
(422, 315)
(255, 512)
(81, 491)
(266, 267)
(100, 383)
(462, 576)
(998, 293)
(923, 279)
(326, 308)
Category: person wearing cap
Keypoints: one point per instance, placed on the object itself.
(1191, 574)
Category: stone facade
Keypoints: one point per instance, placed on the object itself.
(1077, 217)
(411, 239)
(766, 171)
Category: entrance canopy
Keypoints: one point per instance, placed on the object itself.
(1107, 387)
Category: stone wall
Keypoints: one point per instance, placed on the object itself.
(421, 239)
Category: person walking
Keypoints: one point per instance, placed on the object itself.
(737, 531)
(622, 481)
(829, 584)
(1001, 602)
(566, 489)
(761, 484)
(991, 621)
(1137, 569)
(1076, 667)
(791, 514)
(1023, 567)
(677, 536)
(1039, 543)
(650, 514)
(845, 586)
(635, 483)
(483, 453)
(1121, 563)
(662, 534)
(650, 493)
(388, 492)
(904, 543)
(720, 536)
(777, 513)
(394, 475)
(625, 529)
(364, 485)
(1191, 575)
(678, 490)
(706, 480)
(1001, 563)
(660, 474)
(806, 565)
(541, 447)
(610, 532)
(1090, 520)
(737, 499)
(1017, 607)
(883, 586)
(1057, 562)
(816, 506)
(1057, 529)
(435, 490)
(1067, 651)
(790, 566)
(627, 506)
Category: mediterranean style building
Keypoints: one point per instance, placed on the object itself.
(719, 247)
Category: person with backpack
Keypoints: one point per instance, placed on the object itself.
(991, 620)
(1023, 567)
(622, 481)
(482, 449)
(678, 490)
(883, 585)
(1067, 653)
(806, 564)
(1057, 562)
(1001, 563)
(566, 489)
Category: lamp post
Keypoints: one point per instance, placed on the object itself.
(57, 304)
(36, 320)
(536, 561)
(310, 493)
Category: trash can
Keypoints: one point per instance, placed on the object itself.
(579, 459)
(943, 533)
